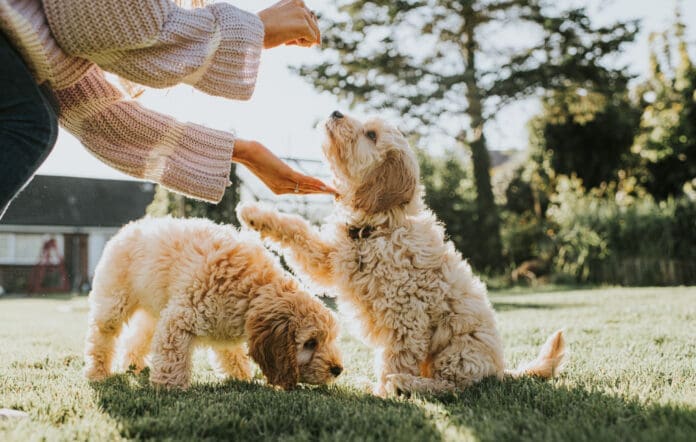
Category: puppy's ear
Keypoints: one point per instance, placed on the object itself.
(390, 184)
(272, 344)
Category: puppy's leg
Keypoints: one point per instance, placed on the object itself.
(230, 361)
(172, 347)
(107, 313)
(470, 358)
(307, 249)
(399, 360)
(136, 341)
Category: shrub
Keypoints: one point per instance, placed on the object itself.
(605, 236)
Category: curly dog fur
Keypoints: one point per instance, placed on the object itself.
(416, 299)
(179, 283)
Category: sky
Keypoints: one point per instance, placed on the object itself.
(285, 109)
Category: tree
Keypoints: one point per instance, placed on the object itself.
(449, 192)
(667, 139)
(586, 133)
(169, 203)
(435, 62)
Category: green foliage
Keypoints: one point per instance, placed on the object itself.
(169, 203)
(526, 237)
(375, 56)
(583, 200)
(631, 377)
(606, 235)
(450, 193)
(588, 134)
(666, 143)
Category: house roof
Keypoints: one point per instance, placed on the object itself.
(79, 202)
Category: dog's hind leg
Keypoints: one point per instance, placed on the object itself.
(399, 360)
(136, 340)
(470, 358)
(172, 347)
(230, 361)
(108, 311)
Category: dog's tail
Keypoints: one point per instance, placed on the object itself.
(550, 362)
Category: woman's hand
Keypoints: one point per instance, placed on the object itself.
(289, 22)
(274, 173)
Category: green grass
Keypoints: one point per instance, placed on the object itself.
(632, 376)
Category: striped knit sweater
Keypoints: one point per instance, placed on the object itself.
(68, 43)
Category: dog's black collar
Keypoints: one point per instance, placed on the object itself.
(360, 232)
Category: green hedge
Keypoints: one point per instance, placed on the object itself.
(616, 238)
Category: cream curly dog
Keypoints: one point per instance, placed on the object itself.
(184, 282)
(414, 296)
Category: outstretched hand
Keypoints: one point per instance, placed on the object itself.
(290, 22)
(273, 172)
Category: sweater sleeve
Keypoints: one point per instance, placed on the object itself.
(216, 49)
(186, 158)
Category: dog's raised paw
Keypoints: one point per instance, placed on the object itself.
(250, 215)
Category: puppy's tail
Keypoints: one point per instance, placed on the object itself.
(549, 363)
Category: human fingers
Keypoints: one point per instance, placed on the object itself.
(313, 23)
(301, 42)
(308, 184)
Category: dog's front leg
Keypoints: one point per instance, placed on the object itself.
(308, 251)
(230, 361)
(172, 347)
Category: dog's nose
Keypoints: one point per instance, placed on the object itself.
(336, 370)
(336, 114)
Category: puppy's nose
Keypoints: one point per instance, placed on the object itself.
(336, 114)
(336, 370)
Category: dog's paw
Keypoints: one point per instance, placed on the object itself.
(379, 390)
(396, 385)
(252, 215)
(95, 372)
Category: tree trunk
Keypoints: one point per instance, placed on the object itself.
(488, 217)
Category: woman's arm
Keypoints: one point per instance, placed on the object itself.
(216, 49)
(187, 158)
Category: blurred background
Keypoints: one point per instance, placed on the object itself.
(557, 139)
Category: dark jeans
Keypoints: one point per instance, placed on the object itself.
(28, 124)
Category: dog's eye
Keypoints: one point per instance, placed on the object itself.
(371, 134)
(311, 344)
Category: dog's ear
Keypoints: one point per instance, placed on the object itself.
(390, 184)
(272, 344)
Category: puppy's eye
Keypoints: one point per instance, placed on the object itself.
(371, 134)
(311, 344)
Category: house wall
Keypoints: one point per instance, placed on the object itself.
(20, 250)
(95, 247)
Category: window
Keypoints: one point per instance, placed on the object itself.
(28, 248)
(24, 248)
(6, 247)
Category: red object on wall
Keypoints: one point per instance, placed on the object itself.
(51, 261)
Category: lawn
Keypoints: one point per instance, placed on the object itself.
(632, 376)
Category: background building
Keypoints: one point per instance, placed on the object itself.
(81, 214)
